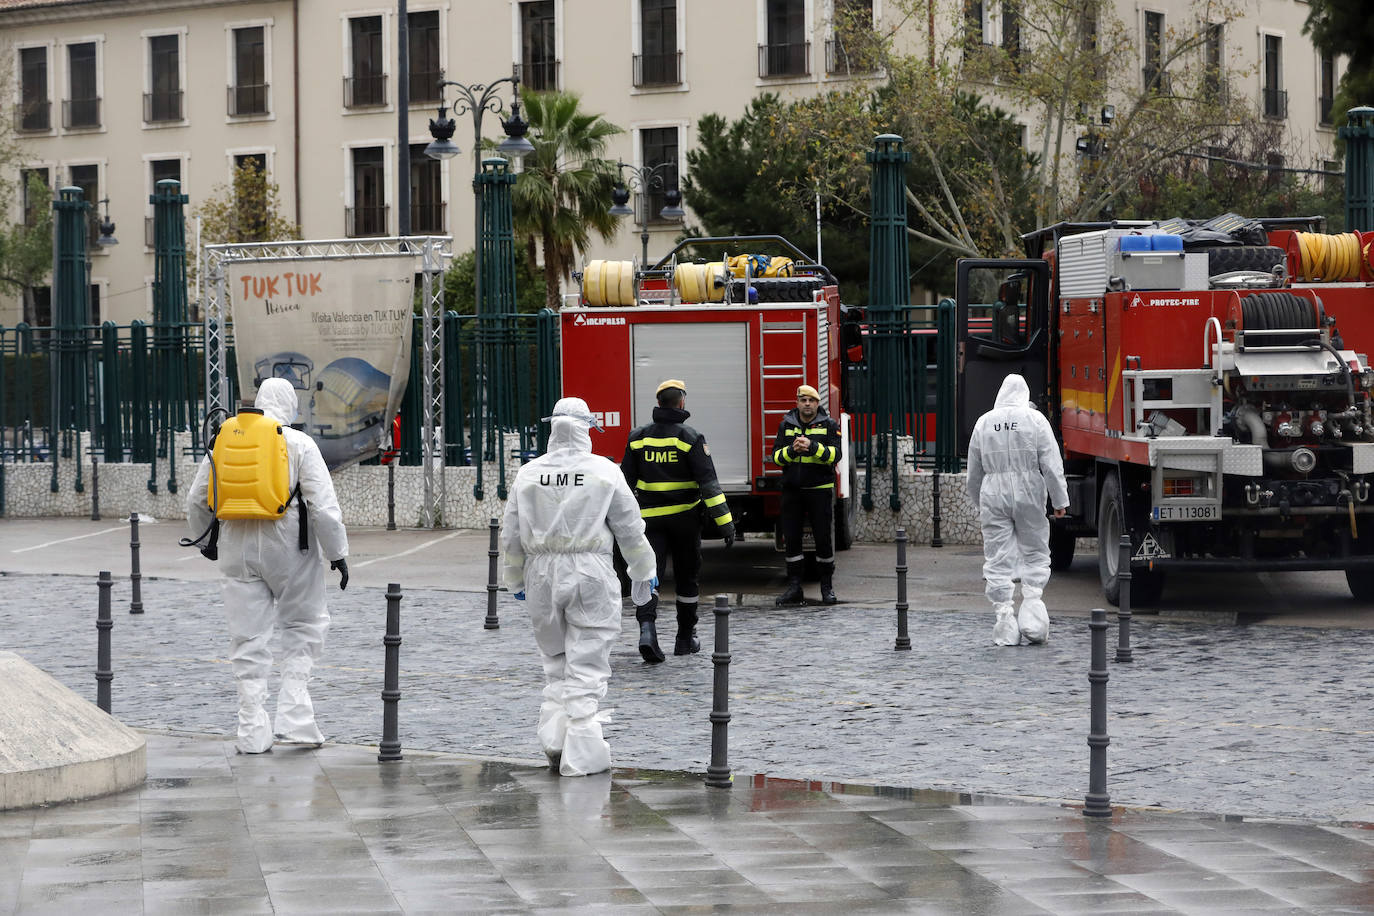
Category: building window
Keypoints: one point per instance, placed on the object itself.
(850, 49)
(1275, 100)
(82, 109)
(658, 152)
(250, 196)
(973, 24)
(659, 62)
(1275, 162)
(426, 192)
(425, 69)
(164, 58)
(1328, 89)
(35, 199)
(367, 216)
(787, 52)
(248, 94)
(35, 106)
(158, 170)
(538, 47)
(1213, 49)
(1011, 29)
(1153, 72)
(365, 86)
(87, 178)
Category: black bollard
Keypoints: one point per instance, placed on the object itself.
(718, 773)
(935, 539)
(1097, 803)
(391, 495)
(103, 625)
(1123, 606)
(135, 578)
(95, 489)
(493, 585)
(903, 640)
(391, 678)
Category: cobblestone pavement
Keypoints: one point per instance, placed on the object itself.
(1266, 721)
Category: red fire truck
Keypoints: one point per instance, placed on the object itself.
(742, 332)
(1214, 403)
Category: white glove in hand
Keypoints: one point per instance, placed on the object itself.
(641, 590)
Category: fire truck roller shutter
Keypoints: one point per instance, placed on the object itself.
(609, 283)
(700, 282)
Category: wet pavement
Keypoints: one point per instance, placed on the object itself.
(333, 831)
(1261, 732)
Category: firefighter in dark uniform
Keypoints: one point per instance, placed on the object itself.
(807, 449)
(669, 467)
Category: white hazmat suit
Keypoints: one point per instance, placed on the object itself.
(1013, 461)
(269, 580)
(563, 510)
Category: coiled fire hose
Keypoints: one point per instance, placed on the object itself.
(1330, 257)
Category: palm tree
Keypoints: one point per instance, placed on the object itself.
(563, 194)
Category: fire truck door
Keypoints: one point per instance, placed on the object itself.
(1002, 327)
(712, 359)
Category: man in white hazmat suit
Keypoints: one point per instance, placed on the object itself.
(564, 509)
(1013, 460)
(269, 580)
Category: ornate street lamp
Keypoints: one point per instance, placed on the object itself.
(645, 180)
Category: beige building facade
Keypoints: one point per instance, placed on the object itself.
(113, 96)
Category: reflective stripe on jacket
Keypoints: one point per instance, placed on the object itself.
(669, 467)
(815, 469)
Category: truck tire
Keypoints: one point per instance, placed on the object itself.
(1225, 258)
(1361, 582)
(1111, 522)
(847, 512)
(1062, 543)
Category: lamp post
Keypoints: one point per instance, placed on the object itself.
(478, 99)
(645, 180)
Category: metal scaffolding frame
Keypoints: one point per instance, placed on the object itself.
(433, 253)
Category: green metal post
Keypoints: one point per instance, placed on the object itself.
(172, 388)
(946, 420)
(71, 310)
(111, 438)
(889, 296)
(1358, 135)
(547, 360)
(494, 307)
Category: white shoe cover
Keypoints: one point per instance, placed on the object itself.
(553, 727)
(1033, 619)
(1004, 631)
(255, 726)
(295, 721)
(585, 751)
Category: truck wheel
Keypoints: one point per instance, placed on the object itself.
(1361, 582)
(1061, 547)
(1110, 524)
(1225, 258)
(847, 512)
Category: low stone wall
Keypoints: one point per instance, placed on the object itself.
(362, 490)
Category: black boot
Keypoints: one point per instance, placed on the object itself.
(792, 594)
(648, 643)
(828, 590)
(686, 642)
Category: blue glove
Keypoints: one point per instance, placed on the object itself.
(520, 595)
(654, 581)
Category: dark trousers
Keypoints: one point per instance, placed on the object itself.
(818, 506)
(677, 536)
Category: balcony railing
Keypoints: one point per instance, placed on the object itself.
(33, 116)
(427, 218)
(789, 59)
(1275, 103)
(364, 91)
(539, 75)
(1324, 106)
(80, 113)
(658, 69)
(162, 106)
(424, 86)
(841, 59)
(248, 99)
(361, 222)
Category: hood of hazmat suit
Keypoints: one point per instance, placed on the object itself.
(269, 580)
(564, 509)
